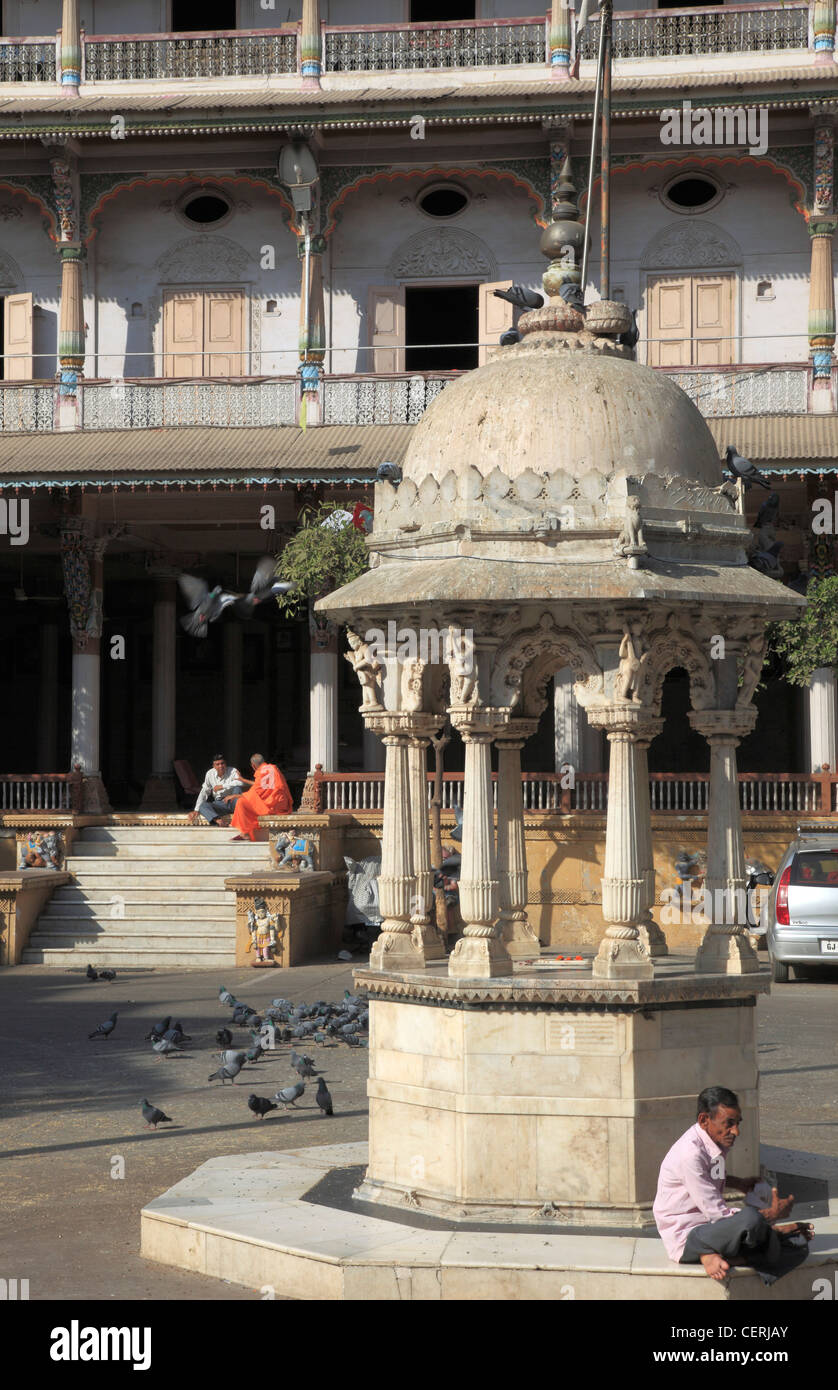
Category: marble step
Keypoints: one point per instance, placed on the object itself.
(101, 897)
(79, 910)
(210, 850)
(164, 956)
(59, 929)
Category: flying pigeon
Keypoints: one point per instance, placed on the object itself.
(260, 1106)
(165, 1048)
(228, 1072)
(154, 1117)
(206, 604)
(388, 473)
(323, 1098)
(303, 1066)
(91, 973)
(572, 295)
(289, 1094)
(743, 468)
(263, 585)
(105, 1029)
(521, 298)
(107, 974)
(769, 511)
(224, 1037)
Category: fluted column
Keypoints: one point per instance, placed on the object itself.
(312, 339)
(323, 695)
(395, 948)
(560, 39)
(517, 934)
(823, 30)
(821, 324)
(424, 935)
(70, 48)
(71, 349)
(725, 948)
(622, 953)
(821, 709)
(311, 60)
(569, 723)
(480, 953)
(650, 933)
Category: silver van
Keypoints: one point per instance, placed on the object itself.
(802, 910)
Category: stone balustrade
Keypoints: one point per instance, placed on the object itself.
(681, 33)
(214, 53)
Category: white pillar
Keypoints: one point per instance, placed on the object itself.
(725, 948)
(323, 701)
(568, 723)
(424, 933)
(84, 739)
(823, 733)
(160, 793)
(480, 953)
(521, 941)
(395, 948)
(47, 755)
(373, 752)
(232, 642)
(650, 933)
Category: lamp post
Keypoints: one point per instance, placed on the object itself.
(298, 171)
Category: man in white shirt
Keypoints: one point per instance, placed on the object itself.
(221, 790)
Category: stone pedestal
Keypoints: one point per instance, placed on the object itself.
(547, 1095)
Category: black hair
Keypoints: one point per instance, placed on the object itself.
(219, 758)
(714, 1096)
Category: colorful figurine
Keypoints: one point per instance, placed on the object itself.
(294, 851)
(262, 926)
(42, 850)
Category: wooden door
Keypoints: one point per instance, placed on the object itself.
(669, 319)
(183, 333)
(496, 316)
(224, 333)
(712, 320)
(386, 320)
(17, 345)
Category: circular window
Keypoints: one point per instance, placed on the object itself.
(442, 200)
(691, 193)
(206, 208)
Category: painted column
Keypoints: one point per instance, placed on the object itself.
(425, 938)
(83, 564)
(725, 949)
(70, 48)
(312, 339)
(823, 30)
(395, 948)
(311, 58)
(47, 757)
(232, 640)
(622, 952)
(821, 323)
(650, 933)
(821, 710)
(323, 695)
(160, 793)
(71, 330)
(480, 953)
(517, 933)
(560, 39)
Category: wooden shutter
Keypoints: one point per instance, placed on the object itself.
(386, 319)
(224, 333)
(669, 317)
(496, 316)
(713, 320)
(18, 338)
(183, 332)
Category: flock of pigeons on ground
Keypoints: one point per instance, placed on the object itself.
(327, 1024)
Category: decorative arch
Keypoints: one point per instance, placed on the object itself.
(333, 199)
(44, 208)
(691, 245)
(524, 665)
(797, 184)
(102, 196)
(438, 252)
(203, 258)
(11, 274)
(669, 645)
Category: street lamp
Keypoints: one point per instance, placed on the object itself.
(298, 171)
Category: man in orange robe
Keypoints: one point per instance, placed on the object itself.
(268, 796)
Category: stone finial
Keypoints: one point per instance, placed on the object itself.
(563, 240)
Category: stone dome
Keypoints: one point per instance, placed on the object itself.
(552, 404)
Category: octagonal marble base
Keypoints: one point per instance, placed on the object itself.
(255, 1220)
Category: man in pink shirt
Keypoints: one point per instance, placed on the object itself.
(695, 1223)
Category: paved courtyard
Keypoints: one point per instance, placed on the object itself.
(72, 1109)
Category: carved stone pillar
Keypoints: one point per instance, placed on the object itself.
(425, 937)
(516, 932)
(725, 948)
(569, 723)
(323, 694)
(70, 48)
(650, 933)
(480, 953)
(821, 323)
(311, 59)
(622, 953)
(395, 948)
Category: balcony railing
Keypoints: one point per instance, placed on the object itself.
(40, 791)
(745, 390)
(677, 793)
(462, 44)
(153, 404)
(27, 60)
(685, 33)
(215, 53)
(381, 400)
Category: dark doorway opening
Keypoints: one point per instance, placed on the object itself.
(191, 15)
(441, 315)
(431, 11)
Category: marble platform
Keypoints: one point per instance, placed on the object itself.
(286, 1224)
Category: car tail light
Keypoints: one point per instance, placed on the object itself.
(782, 904)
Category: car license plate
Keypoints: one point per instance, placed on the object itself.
(829, 948)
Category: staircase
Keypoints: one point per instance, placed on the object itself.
(146, 896)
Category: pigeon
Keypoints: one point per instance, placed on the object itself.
(105, 1029)
(224, 996)
(630, 336)
(743, 468)
(323, 1098)
(260, 1106)
(231, 1056)
(241, 1013)
(303, 1066)
(572, 295)
(176, 1035)
(228, 1072)
(769, 511)
(91, 973)
(206, 604)
(509, 338)
(254, 1053)
(263, 585)
(388, 473)
(289, 1094)
(224, 1037)
(521, 298)
(107, 974)
(154, 1117)
(165, 1048)
(159, 1028)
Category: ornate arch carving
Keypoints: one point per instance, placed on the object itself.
(437, 252)
(663, 645)
(203, 259)
(691, 245)
(11, 275)
(525, 663)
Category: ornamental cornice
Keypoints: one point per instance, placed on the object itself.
(723, 724)
(559, 991)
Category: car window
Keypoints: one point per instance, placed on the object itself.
(815, 869)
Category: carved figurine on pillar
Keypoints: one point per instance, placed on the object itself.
(369, 670)
(262, 926)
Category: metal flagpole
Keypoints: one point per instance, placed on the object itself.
(594, 135)
(605, 196)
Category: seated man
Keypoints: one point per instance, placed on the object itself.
(268, 796)
(221, 790)
(694, 1222)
